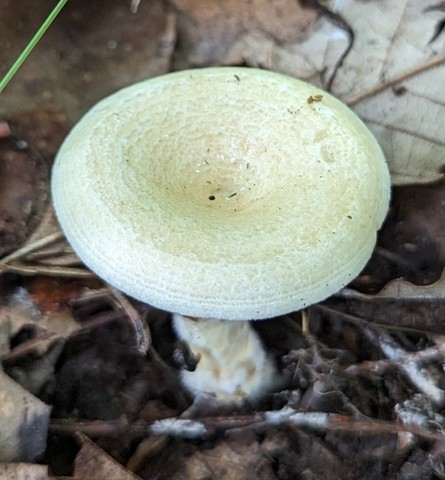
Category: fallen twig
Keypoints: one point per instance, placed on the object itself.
(203, 428)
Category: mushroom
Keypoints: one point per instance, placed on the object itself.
(222, 195)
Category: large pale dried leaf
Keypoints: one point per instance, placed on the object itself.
(392, 75)
(393, 78)
(23, 423)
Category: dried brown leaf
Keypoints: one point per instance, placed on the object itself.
(242, 460)
(93, 463)
(210, 33)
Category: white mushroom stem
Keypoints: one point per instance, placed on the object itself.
(233, 363)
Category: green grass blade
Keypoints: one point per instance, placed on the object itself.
(34, 41)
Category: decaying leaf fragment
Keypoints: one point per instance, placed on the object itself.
(93, 462)
(23, 422)
(401, 289)
(23, 471)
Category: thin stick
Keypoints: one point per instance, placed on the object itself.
(28, 49)
(32, 247)
(434, 63)
(206, 427)
(52, 271)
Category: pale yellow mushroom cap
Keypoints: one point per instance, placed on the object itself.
(228, 193)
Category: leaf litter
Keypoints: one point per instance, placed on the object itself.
(364, 396)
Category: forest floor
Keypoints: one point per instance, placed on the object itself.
(364, 396)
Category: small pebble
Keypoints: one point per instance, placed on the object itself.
(22, 144)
